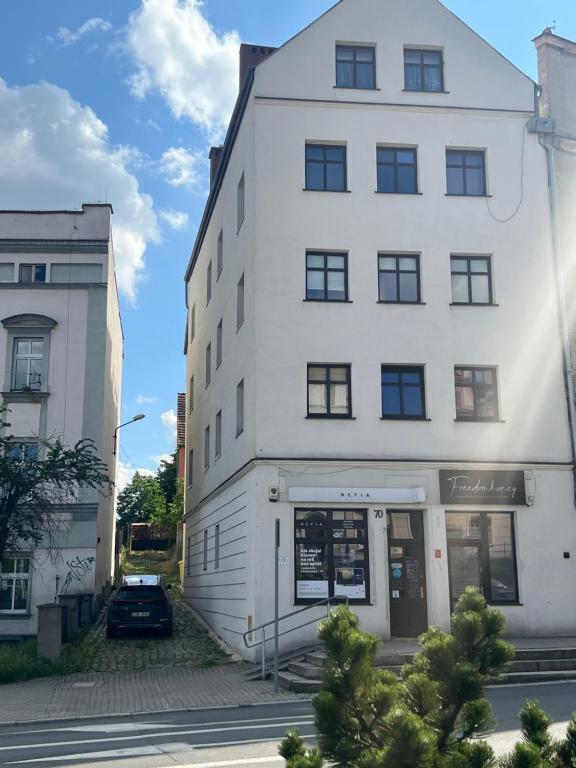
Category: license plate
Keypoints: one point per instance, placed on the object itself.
(141, 614)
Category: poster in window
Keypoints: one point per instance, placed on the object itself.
(350, 583)
(311, 571)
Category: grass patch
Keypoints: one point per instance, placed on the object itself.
(18, 661)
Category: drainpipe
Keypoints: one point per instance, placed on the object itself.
(546, 142)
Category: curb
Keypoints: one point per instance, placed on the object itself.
(75, 718)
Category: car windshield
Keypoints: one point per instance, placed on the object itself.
(139, 593)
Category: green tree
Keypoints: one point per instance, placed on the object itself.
(140, 501)
(368, 718)
(172, 512)
(34, 486)
(167, 477)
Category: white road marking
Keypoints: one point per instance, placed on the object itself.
(129, 752)
(244, 761)
(528, 685)
(194, 731)
(130, 726)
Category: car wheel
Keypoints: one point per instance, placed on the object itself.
(167, 631)
(110, 632)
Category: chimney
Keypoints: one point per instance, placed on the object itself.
(215, 155)
(557, 77)
(251, 56)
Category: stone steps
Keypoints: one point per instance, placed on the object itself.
(304, 674)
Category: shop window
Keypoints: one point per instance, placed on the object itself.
(482, 554)
(14, 584)
(331, 555)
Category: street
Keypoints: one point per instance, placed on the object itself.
(221, 738)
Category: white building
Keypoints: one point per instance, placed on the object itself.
(373, 346)
(61, 361)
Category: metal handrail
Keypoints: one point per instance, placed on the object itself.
(328, 601)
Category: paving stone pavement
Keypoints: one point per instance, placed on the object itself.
(190, 645)
(107, 693)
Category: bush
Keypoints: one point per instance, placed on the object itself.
(18, 661)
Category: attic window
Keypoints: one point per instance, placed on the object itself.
(355, 66)
(423, 70)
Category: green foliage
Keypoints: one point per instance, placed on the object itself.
(33, 490)
(368, 718)
(171, 514)
(167, 478)
(18, 661)
(140, 501)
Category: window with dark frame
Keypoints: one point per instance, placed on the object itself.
(356, 66)
(26, 450)
(205, 553)
(190, 467)
(208, 364)
(398, 278)
(219, 343)
(217, 546)
(240, 408)
(240, 302)
(331, 555)
(396, 169)
(326, 276)
(403, 392)
(218, 436)
(32, 273)
(240, 202)
(220, 254)
(466, 173)
(482, 553)
(326, 167)
(423, 70)
(471, 279)
(208, 283)
(188, 555)
(191, 395)
(14, 585)
(193, 323)
(207, 448)
(476, 393)
(329, 391)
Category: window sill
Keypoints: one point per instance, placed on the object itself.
(480, 421)
(403, 303)
(328, 301)
(333, 191)
(501, 604)
(354, 88)
(414, 90)
(15, 616)
(351, 601)
(330, 417)
(403, 194)
(21, 395)
(454, 194)
(404, 418)
(473, 304)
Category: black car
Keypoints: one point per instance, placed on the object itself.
(140, 602)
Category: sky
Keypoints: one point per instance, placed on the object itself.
(120, 101)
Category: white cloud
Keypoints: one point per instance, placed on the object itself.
(65, 36)
(179, 55)
(56, 153)
(145, 400)
(170, 421)
(160, 458)
(177, 220)
(125, 473)
(180, 167)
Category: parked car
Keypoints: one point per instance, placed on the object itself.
(140, 602)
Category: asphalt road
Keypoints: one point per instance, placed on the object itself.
(238, 736)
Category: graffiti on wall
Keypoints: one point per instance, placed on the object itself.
(77, 569)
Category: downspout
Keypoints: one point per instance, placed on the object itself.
(559, 275)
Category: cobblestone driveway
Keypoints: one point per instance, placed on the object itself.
(190, 645)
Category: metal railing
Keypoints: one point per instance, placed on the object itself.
(247, 636)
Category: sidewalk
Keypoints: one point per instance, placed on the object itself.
(107, 693)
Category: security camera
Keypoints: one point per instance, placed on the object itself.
(273, 493)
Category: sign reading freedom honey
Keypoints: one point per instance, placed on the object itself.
(481, 487)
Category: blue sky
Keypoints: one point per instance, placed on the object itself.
(120, 101)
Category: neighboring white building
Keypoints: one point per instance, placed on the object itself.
(373, 346)
(61, 361)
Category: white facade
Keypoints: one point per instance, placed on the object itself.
(58, 288)
(292, 102)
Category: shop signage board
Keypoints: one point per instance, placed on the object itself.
(376, 495)
(482, 487)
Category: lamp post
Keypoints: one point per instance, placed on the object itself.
(138, 417)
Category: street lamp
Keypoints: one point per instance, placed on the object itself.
(138, 417)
